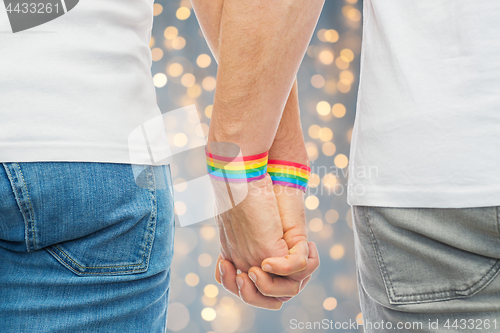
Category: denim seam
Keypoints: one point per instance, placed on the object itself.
(380, 260)
(446, 294)
(492, 271)
(498, 220)
(93, 273)
(14, 185)
(31, 208)
(148, 244)
(152, 220)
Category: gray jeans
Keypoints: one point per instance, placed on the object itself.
(428, 269)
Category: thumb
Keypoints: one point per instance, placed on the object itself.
(294, 262)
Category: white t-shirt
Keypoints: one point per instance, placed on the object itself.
(76, 87)
(427, 129)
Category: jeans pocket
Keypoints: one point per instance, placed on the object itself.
(123, 244)
(416, 268)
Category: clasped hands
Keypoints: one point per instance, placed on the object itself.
(265, 238)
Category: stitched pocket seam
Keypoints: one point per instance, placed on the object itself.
(395, 298)
(65, 259)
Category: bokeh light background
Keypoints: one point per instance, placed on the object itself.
(184, 73)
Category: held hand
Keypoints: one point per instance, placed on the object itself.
(279, 278)
(252, 231)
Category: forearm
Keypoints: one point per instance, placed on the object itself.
(289, 143)
(261, 46)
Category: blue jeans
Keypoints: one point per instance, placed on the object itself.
(83, 248)
(428, 269)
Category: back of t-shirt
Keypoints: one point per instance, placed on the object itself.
(76, 86)
(427, 129)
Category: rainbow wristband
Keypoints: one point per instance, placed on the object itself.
(237, 170)
(289, 174)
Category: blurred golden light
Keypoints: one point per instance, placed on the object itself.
(323, 108)
(314, 180)
(330, 87)
(207, 301)
(180, 208)
(227, 302)
(344, 86)
(321, 35)
(208, 314)
(152, 42)
(205, 260)
(347, 55)
(160, 80)
(211, 290)
(332, 35)
(156, 54)
(341, 63)
(328, 148)
(354, 14)
(315, 225)
(208, 111)
(347, 75)
(208, 83)
(337, 252)
(202, 130)
(175, 69)
(203, 60)
(180, 184)
(170, 33)
(312, 151)
(348, 134)
(326, 133)
(330, 303)
(338, 110)
(178, 43)
(183, 13)
(359, 318)
(188, 80)
(312, 202)
(317, 81)
(194, 91)
(326, 232)
(157, 9)
(326, 57)
(332, 216)
(314, 131)
(180, 139)
(208, 232)
(329, 181)
(192, 280)
(351, 1)
(341, 161)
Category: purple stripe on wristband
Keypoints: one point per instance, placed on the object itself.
(275, 182)
(237, 180)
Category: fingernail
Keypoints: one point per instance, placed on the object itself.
(239, 282)
(267, 268)
(252, 277)
(221, 268)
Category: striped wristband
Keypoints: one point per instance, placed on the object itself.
(237, 169)
(289, 174)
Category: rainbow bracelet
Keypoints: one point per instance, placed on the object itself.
(289, 174)
(237, 169)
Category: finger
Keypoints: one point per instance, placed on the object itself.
(305, 282)
(295, 262)
(273, 285)
(228, 276)
(217, 269)
(251, 295)
(312, 264)
(284, 299)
